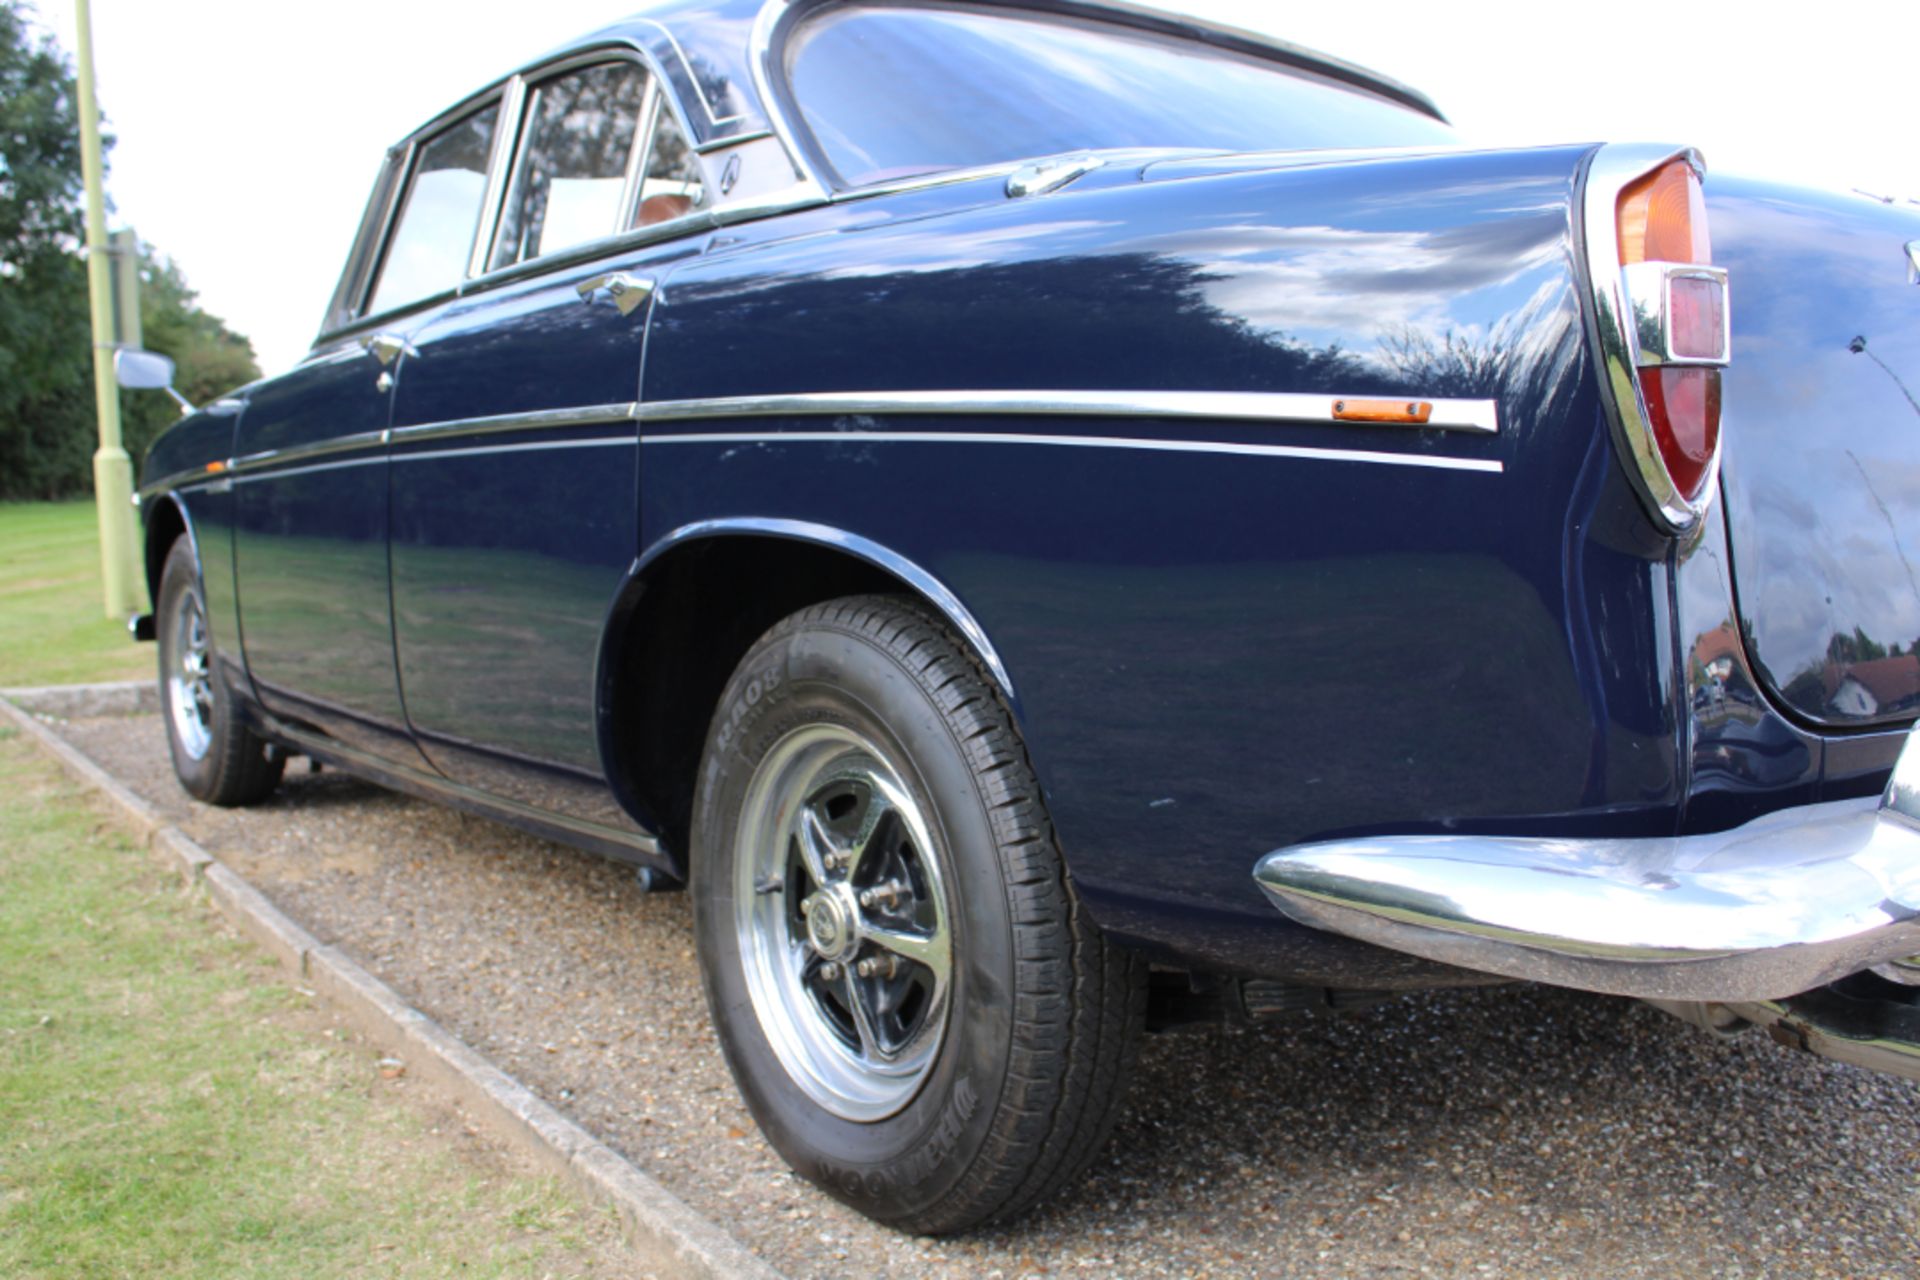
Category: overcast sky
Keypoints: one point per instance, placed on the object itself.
(249, 130)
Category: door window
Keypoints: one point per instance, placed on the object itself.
(434, 234)
(572, 168)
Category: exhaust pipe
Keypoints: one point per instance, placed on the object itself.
(1864, 1020)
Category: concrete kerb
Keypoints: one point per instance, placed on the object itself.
(671, 1238)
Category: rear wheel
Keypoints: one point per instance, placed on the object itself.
(216, 755)
(915, 1006)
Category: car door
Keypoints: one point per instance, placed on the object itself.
(514, 464)
(311, 505)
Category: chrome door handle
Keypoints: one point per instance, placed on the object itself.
(626, 292)
(388, 347)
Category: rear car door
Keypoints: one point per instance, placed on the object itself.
(311, 503)
(514, 465)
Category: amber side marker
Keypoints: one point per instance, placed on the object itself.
(216, 467)
(1415, 411)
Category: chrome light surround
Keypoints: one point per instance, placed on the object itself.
(1649, 287)
(1629, 325)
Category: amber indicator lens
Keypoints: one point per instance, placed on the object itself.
(1663, 218)
(1697, 311)
(1402, 411)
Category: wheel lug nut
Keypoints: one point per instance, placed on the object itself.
(883, 895)
(829, 972)
(867, 968)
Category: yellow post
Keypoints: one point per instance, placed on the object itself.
(112, 468)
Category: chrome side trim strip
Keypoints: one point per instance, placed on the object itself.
(180, 481)
(1478, 416)
(300, 453)
(539, 420)
(1777, 906)
(543, 446)
(1434, 461)
(280, 473)
(1474, 416)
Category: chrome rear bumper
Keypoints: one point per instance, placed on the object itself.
(1781, 905)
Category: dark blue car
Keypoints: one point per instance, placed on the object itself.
(1053, 518)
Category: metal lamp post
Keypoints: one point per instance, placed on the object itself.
(112, 468)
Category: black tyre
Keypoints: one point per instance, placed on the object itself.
(216, 754)
(916, 1008)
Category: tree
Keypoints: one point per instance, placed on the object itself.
(47, 432)
(210, 358)
(45, 356)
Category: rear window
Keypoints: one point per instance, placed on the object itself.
(889, 92)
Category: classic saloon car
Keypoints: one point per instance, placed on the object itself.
(1051, 516)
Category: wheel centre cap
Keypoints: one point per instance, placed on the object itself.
(830, 926)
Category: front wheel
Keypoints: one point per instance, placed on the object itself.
(915, 1006)
(216, 755)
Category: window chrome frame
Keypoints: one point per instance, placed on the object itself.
(513, 92)
(637, 159)
(530, 82)
(508, 146)
(493, 96)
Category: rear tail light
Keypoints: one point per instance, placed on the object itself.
(1661, 307)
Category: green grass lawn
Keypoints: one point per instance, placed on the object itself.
(171, 1106)
(53, 629)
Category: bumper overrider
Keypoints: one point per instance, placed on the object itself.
(1776, 907)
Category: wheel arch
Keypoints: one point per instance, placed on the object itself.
(690, 608)
(167, 520)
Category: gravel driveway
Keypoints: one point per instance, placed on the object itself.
(1522, 1132)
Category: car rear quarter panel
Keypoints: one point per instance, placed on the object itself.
(1213, 655)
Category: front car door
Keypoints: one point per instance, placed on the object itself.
(311, 502)
(514, 464)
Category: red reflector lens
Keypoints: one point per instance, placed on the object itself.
(1698, 318)
(1684, 404)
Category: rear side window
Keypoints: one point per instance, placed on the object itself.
(890, 92)
(439, 215)
(572, 169)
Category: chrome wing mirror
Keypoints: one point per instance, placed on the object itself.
(147, 371)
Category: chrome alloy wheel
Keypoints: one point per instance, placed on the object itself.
(189, 683)
(842, 922)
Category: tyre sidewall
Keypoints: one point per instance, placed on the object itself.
(814, 674)
(180, 576)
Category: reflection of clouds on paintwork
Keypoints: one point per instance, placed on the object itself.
(1857, 562)
(1823, 493)
(884, 256)
(1322, 283)
(979, 247)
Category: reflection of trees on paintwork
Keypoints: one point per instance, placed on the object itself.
(1448, 363)
(1143, 314)
(1860, 678)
